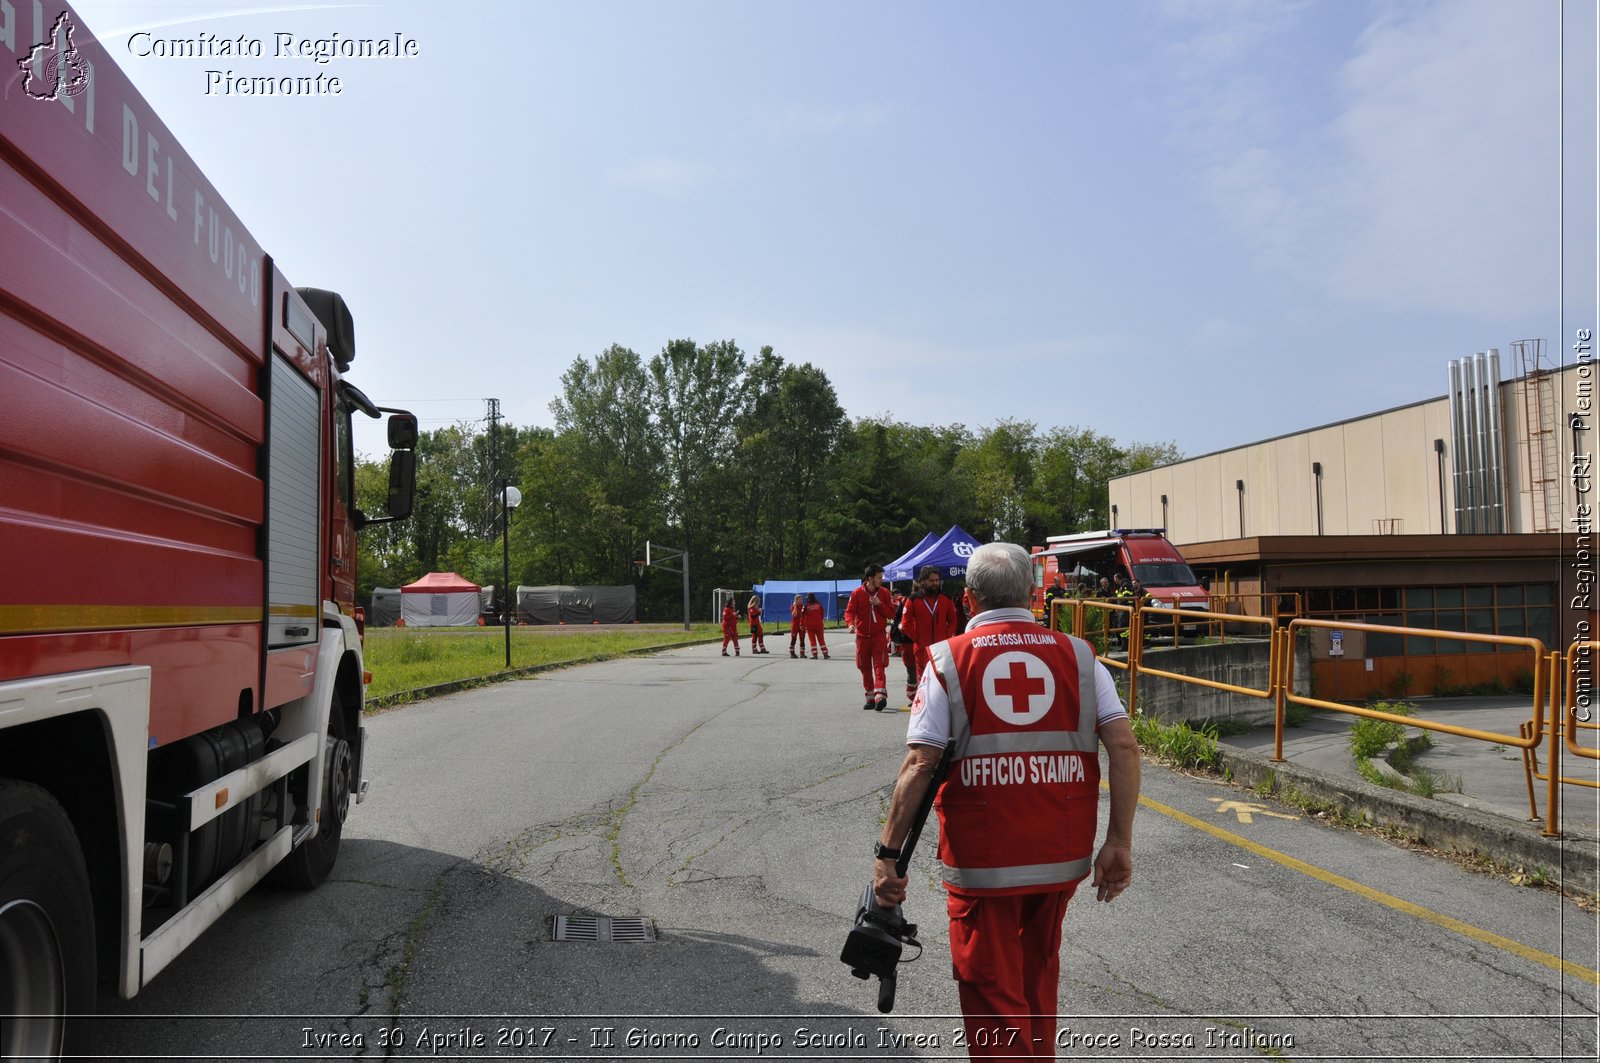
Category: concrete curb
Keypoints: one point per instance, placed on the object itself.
(1572, 862)
(406, 697)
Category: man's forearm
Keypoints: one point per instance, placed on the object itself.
(916, 775)
(1123, 765)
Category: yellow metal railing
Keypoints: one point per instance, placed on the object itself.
(1528, 738)
(1136, 650)
(1554, 675)
(1578, 700)
(1286, 605)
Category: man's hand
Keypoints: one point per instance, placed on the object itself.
(887, 887)
(1113, 871)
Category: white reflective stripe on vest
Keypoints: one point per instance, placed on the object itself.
(1032, 742)
(995, 878)
(960, 723)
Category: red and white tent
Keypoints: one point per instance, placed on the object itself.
(439, 599)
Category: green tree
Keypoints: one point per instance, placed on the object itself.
(999, 465)
(699, 395)
(604, 417)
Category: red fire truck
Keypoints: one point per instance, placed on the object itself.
(181, 673)
(1143, 554)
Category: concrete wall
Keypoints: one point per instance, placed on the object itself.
(1243, 664)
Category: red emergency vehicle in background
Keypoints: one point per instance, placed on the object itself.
(181, 672)
(1142, 554)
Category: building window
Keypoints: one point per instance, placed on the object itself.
(1519, 609)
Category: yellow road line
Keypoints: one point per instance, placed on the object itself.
(1377, 896)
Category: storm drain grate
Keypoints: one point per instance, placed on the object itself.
(604, 928)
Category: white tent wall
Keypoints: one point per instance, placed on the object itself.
(449, 609)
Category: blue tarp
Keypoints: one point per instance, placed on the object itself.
(949, 555)
(776, 596)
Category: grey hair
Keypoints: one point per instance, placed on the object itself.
(1000, 576)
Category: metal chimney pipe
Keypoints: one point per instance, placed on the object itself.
(1480, 441)
(1457, 434)
(1497, 476)
(1469, 444)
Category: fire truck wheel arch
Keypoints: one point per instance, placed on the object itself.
(47, 944)
(307, 866)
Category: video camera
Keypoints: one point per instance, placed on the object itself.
(875, 944)
(880, 933)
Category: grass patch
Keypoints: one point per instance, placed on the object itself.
(402, 659)
(1178, 744)
(1368, 738)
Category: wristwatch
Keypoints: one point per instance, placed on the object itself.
(881, 851)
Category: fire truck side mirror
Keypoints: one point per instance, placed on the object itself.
(402, 482)
(402, 431)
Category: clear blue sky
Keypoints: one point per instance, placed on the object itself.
(1197, 221)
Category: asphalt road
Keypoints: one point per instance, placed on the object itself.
(732, 803)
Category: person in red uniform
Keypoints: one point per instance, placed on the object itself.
(868, 615)
(900, 644)
(814, 623)
(758, 638)
(797, 624)
(730, 628)
(929, 618)
(1025, 712)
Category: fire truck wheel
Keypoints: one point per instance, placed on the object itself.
(47, 953)
(308, 866)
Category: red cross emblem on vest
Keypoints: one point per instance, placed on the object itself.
(1018, 688)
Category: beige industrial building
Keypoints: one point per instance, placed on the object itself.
(1459, 513)
(1402, 471)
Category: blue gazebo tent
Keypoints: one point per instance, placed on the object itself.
(948, 554)
(895, 565)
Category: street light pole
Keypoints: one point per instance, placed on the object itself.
(833, 602)
(510, 498)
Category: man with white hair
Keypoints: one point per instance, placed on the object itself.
(1024, 711)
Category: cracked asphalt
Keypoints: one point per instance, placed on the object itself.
(733, 803)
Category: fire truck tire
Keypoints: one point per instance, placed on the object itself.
(309, 865)
(47, 950)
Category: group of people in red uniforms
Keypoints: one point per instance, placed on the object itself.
(913, 624)
(730, 627)
(916, 624)
(806, 620)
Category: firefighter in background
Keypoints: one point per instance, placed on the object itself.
(758, 638)
(1014, 843)
(930, 618)
(868, 616)
(730, 628)
(797, 624)
(1058, 589)
(814, 623)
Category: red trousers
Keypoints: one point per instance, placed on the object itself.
(817, 641)
(1005, 953)
(758, 636)
(872, 657)
(908, 656)
(730, 636)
